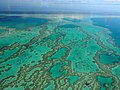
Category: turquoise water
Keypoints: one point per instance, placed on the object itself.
(113, 24)
(68, 26)
(106, 83)
(18, 22)
(72, 19)
(109, 59)
(56, 71)
(50, 52)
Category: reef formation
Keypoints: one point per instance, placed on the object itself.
(46, 52)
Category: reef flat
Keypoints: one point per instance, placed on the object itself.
(57, 52)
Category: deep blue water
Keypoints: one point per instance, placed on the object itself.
(113, 24)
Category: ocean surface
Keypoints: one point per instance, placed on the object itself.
(59, 52)
(113, 24)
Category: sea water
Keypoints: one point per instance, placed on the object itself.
(50, 52)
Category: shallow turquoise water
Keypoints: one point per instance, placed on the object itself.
(109, 59)
(68, 26)
(105, 82)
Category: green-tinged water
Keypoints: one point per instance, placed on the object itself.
(57, 52)
(106, 83)
(109, 59)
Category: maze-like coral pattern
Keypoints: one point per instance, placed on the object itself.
(56, 53)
